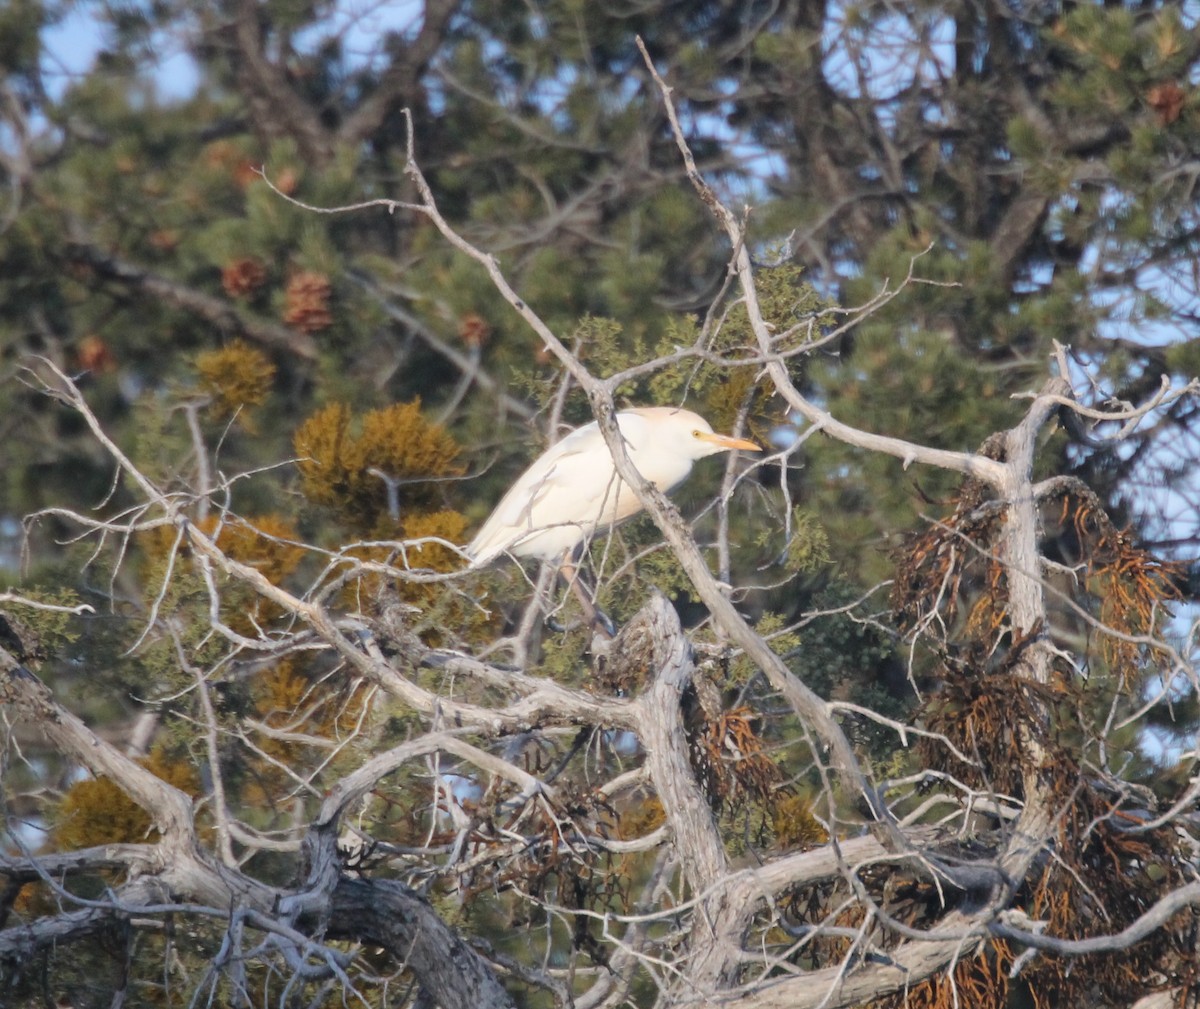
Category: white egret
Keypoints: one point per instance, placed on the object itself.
(572, 491)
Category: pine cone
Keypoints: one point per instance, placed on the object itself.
(242, 277)
(307, 302)
(95, 355)
(473, 330)
(1167, 101)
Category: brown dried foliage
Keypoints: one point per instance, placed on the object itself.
(1133, 587)
(1104, 873)
(730, 759)
(994, 716)
(1105, 870)
(980, 981)
(828, 904)
(950, 567)
(944, 564)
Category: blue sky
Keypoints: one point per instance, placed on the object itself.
(72, 45)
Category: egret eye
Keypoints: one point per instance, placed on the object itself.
(696, 432)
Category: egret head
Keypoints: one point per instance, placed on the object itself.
(691, 436)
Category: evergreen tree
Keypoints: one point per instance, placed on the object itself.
(326, 404)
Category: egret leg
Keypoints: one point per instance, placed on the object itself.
(596, 618)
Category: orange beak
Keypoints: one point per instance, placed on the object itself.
(729, 442)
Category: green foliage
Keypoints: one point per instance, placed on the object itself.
(599, 344)
(772, 627)
(563, 656)
(808, 549)
(791, 308)
(659, 569)
(847, 657)
(45, 631)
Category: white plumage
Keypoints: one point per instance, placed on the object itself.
(572, 490)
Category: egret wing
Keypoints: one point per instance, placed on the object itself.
(556, 489)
